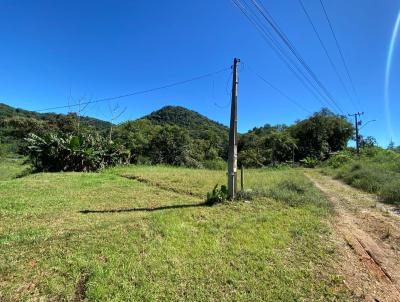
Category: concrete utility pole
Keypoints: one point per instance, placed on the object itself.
(232, 156)
(357, 123)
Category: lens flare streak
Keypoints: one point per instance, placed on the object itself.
(388, 72)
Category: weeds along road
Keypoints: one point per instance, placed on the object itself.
(368, 236)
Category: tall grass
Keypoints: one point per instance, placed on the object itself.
(375, 171)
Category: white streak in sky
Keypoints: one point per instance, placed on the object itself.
(387, 75)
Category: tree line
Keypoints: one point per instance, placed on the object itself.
(171, 135)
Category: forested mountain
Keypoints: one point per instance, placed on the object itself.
(53, 119)
(174, 135)
(198, 125)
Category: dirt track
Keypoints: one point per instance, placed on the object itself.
(368, 235)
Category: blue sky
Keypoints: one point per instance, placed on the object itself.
(53, 51)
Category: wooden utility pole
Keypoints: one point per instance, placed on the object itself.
(357, 123)
(232, 156)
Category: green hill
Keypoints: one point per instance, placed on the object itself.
(198, 125)
(7, 112)
(16, 124)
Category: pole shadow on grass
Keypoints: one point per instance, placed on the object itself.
(168, 207)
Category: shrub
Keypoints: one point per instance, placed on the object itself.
(310, 162)
(339, 159)
(390, 191)
(217, 195)
(84, 152)
(215, 164)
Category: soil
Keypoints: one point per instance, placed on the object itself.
(368, 239)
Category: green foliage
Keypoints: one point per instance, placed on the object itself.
(215, 164)
(339, 159)
(322, 133)
(315, 137)
(368, 142)
(171, 145)
(3, 151)
(137, 136)
(214, 135)
(198, 125)
(84, 152)
(175, 136)
(309, 162)
(376, 171)
(16, 124)
(217, 195)
(390, 191)
(178, 136)
(280, 145)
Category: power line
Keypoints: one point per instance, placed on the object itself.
(340, 52)
(141, 91)
(326, 51)
(268, 38)
(267, 16)
(279, 90)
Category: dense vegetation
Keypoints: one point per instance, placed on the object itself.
(171, 135)
(376, 171)
(310, 140)
(16, 124)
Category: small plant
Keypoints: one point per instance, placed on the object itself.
(217, 195)
(387, 234)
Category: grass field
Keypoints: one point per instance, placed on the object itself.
(143, 234)
(11, 167)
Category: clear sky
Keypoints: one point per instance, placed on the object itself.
(55, 51)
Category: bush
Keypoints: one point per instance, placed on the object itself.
(217, 195)
(390, 191)
(215, 164)
(339, 159)
(84, 152)
(310, 162)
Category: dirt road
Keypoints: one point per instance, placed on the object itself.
(368, 237)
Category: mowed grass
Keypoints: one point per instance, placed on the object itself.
(11, 167)
(151, 239)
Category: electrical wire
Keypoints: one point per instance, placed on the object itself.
(267, 37)
(140, 91)
(341, 53)
(327, 53)
(279, 90)
(267, 16)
